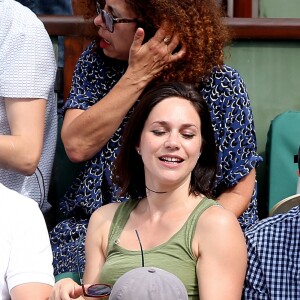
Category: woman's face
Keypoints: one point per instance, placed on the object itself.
(116, 44)
(170, 144)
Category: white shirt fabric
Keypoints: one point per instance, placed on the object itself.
(27, 70)
(26, 254)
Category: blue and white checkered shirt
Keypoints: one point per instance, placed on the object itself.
(274, 258)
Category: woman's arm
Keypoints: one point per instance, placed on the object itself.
(67, 288)
(235, 138)
(222, 255)
(95, 252)
(85, 132)
(237, 198)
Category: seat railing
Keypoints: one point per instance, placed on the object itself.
(76, 31)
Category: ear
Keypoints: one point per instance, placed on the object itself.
(137, 148)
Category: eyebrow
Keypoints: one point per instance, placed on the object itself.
(164, 123)
(109, 8)
(113, 11)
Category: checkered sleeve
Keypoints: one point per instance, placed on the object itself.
(273, 258)
(255, 284)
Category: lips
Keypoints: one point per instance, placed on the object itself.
(171, 159)
(104, 43)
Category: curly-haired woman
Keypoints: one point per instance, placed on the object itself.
(138, 44)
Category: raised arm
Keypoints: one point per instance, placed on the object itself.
(85, 132)
(222, 256)
(21, 150)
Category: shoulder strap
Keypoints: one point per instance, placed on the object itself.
(194, 217)
(119, 221)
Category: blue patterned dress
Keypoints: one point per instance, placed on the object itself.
(94, 77)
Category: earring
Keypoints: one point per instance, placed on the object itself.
(138, 151)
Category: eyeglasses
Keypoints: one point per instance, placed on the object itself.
(109, 20)
(101, 290)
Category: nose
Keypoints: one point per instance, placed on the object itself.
(98, 21)
(172, 142)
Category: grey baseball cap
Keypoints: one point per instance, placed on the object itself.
(148, 283)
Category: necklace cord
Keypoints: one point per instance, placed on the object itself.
(155, 191)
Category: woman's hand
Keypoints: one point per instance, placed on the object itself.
(148, 59)
(66, 289)
(83, 132)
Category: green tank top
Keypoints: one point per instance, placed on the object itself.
(174, 256)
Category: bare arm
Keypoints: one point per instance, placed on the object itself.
(95, 252)
(237, 198)
(222, 256)
(84, 133)
(29, 291)
(67, 288)
(21, 150)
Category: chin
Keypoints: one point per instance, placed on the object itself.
(117, 56)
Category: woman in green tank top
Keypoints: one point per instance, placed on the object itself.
(167, 165)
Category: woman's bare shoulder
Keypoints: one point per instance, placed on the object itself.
(103, 214)
(217, 231)
(217, 219)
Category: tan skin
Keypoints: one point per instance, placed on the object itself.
(218, 244)
(29, 291)
(84, 133)
(215, 226)
(21, 150)
(238, 197)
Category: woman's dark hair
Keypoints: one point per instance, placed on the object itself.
(128, 172)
